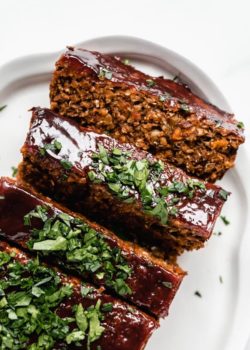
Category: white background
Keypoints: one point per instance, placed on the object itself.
(215, 35)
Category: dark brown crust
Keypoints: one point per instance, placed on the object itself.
(149, 273)
(195, 218)
(126, 328)
(200, 138)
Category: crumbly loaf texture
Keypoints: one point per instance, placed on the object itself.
(188, 229)
(157, 115)
(125, 327)
(149, 290)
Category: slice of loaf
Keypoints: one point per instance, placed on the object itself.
(157, 115)
(118, 184)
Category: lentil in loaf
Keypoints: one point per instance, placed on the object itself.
(157, 115)
(117, 184)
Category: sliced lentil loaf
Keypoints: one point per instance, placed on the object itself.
(157, 115)
(117, 184)
(87, 249)
(43, 308)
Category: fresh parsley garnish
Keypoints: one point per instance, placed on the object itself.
(2, 108)
(14, 171)
(67, 165)
(105, 73)
(240, 125)
(126, 61)
(168, 284)
(150, 82)
(78, 247)
(127, 178)
(198, 294)
(30, 295)
(54, 147)
(224, 194)
(225, 220)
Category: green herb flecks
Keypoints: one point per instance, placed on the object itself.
(105, 73)
(198, 294)
(127, 178)
(126, 61)
(78, 247)
(27, 306)
(225, 220)
(150, 82)
(2, 108)
(14, 171)
(67, 165)
(54, 147)
(240, 125)
(164, 97)
(223, 194)
(168, 284)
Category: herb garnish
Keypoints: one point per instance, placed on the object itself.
(67, 165)
(150, 82)
(127, 178)
(14, 171)
(224, 194)
(78, 247)
(225, 220)
(30, 294)
(2, 108)
(126, 61)
(198, 294)
(165, 97)
(168, 284)
(240, 125)
(105, 73)
(54, 147)
(221, 279)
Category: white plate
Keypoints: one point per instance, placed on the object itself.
(220, 319)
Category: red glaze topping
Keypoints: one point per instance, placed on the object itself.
(78, 144)
(147, 278)
(79, 60)
(126, 328)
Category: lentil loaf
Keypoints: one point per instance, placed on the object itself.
(118, 185)
(42, 308)
(158, 115)
(83, 247)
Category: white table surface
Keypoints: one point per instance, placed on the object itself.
(214, 34)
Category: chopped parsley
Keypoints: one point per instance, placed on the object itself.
(150, 82)
(126, 61)
(219, 233)
(127, 178)
(54, 147)
(168, 284)
(225, 220)
(198, 294)
(78, 247)
(164, 97)
(67, 165)
(224, 194)
(2, 108)
(240, 125)
(105, 73)
(30, 296)
(14, 171)
(185, 108)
